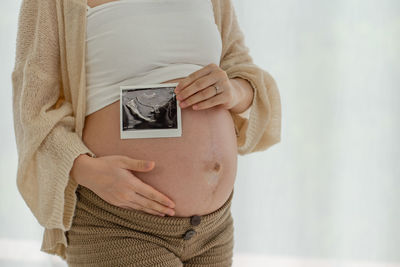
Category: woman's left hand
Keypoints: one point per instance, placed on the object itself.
(197, 89)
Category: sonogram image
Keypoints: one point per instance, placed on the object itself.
(149, 108)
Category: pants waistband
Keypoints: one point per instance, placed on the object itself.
(142, 221)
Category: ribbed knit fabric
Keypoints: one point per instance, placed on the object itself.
(49, 105)
(107, 235)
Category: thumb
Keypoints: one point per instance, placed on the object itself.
(139, 165)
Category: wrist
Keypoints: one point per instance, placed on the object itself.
(245, 95)
(80, 167)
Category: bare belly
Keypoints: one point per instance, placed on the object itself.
(197, 170)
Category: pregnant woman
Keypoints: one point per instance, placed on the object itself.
(100, 203)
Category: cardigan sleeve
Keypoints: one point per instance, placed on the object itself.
(261, 128)
(46, 141)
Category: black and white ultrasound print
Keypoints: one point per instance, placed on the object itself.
(149, 111)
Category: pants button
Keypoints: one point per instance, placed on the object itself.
(189, 233)
(195, 220)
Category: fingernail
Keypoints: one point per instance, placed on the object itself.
(149, 164)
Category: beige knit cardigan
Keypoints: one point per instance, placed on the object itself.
(49, 101)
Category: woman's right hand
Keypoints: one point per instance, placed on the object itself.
(110, 177)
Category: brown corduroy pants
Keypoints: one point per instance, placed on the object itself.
(103, 234)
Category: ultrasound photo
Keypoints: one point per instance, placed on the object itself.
(149, 111)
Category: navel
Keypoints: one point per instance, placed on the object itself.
(217, 166)
(214, 173)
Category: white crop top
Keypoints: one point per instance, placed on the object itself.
(133, 42)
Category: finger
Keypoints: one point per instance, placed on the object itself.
(153, 212)
(151, 204)
(204, 94)
(151, 193)
(211, 102)
(138, 207)
(136, 164)
(194, 76)
(198, 85)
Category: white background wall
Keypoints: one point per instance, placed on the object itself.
(329, 193)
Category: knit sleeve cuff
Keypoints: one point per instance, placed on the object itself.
(261, 128)
(58, 153)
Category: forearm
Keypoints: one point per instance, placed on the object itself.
(246, 95)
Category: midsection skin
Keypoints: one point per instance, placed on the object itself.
(197, 170)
